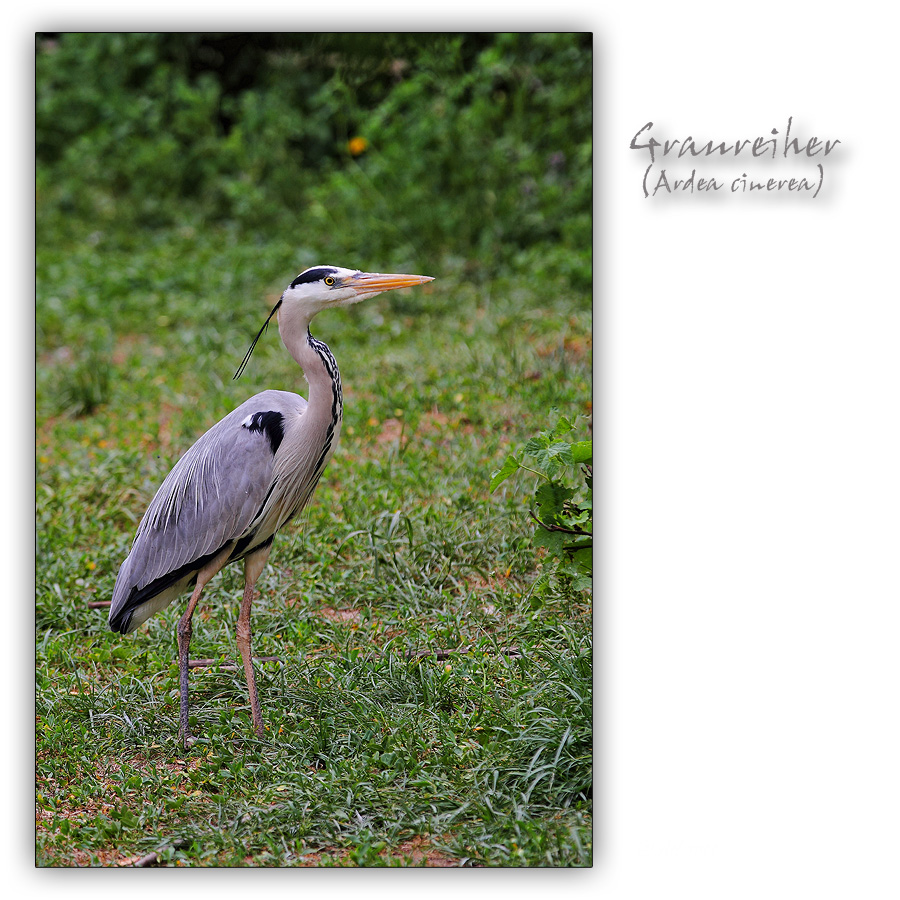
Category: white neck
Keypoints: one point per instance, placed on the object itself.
(309, 443)
(319, 368)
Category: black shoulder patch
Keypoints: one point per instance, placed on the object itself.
(310, 275)
(271, 422)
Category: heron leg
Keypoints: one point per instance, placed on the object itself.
(253, 566)
(184, 631)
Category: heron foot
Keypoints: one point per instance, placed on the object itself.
(188, 739)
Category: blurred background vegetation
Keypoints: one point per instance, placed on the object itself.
(470, 149)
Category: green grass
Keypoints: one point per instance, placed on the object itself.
(371, 757)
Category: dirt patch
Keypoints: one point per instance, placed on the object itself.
(391, 431)
(433, 425)
(578, 347)
(416, 852)
(340, 615)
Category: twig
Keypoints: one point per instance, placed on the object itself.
(209, 663)
(99, 604)
(557, 527)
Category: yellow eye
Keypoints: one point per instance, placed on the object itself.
(329, 280)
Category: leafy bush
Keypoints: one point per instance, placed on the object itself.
(563, 514)
(469, 148)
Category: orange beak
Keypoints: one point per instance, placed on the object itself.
(370, 283)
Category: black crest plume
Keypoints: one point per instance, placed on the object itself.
(246, 358)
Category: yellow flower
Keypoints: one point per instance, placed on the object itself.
(357, 145)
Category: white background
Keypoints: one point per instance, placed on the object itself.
(746, 391)
(750, 366)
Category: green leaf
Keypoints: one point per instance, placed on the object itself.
(583, 583)
(536, 445)
(549, 458)
(577, 519)
(584, 560)
(561, 450)
(563, 426)
(507, 469)
(582, 451)
(551, 497)
(552, 540)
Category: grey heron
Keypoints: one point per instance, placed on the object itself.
(251, 473)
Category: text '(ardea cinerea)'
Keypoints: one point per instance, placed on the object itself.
(252, 472)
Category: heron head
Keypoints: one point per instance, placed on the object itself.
(324, 287)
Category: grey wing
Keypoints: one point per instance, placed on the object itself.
(210, 497)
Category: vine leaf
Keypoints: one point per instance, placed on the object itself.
(562, 513)
(510, 466)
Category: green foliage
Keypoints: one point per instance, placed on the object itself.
(563, 514)
(472, 149)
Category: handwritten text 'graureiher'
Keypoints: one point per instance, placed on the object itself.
(664, 154)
